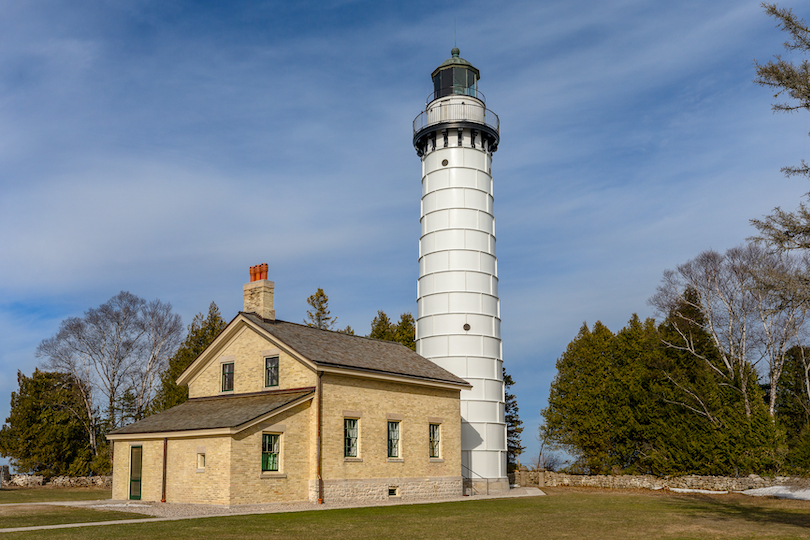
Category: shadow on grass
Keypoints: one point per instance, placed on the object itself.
(759, 510)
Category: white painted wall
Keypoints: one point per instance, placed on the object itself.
(458, 282)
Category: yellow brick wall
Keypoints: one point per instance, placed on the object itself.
(376, 400)
(249, 485)
(152, 472)
(184, 484)
(246, 352)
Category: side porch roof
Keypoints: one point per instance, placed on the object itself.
(217, 415)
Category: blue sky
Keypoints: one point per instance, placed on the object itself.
(164, 147)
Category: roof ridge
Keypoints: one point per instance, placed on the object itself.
(324, 330)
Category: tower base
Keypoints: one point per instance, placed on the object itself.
(485, 486)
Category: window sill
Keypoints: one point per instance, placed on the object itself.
(396, 460)
(268, 474)
(436, 460)
(200, 470)
(353, 459)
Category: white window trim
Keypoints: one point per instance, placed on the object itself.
(359, 452)
(280, 473)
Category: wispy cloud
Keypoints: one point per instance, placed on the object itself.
(163, 148)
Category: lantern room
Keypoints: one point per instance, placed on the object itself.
(456, 76)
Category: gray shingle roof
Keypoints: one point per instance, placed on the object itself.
(327, 348)
(215, 412)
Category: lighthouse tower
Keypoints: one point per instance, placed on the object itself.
(458, 322)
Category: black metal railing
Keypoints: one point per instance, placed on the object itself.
(456, 112)
(468, 481)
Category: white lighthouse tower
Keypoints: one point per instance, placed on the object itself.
(458, 322)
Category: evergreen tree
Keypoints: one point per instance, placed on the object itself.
(793, 409)
(382, 327)
(782, 229)
(514, 425)
(45, 432)
(578, 417)
(625, 403)
(201, 332)
(404, 331)
(320, 317)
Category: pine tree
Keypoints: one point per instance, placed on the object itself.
(404, 332)
(514, 425)
(201, 332)
(382, 327)
(45, 432)
(320, 317)
(782, 229)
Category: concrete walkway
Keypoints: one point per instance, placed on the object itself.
(194, 511)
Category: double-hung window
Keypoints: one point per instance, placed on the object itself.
(350, 437)
(435, 440)
(271, 371)
(393, 439)
(227, 377)
(270, 452)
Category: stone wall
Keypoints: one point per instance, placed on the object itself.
(29, 480)
(628, 481)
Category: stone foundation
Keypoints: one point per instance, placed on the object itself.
(377, 489)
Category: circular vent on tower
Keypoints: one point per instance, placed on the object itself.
(466, 327)
(444, 163)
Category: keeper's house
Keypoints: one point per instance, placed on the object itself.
(279, 411)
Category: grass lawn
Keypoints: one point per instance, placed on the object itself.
(29, 516)
(47, 494)
(565, 513)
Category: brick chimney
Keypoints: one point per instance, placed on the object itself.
(259, 293)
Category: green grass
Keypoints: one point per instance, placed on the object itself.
(34, 515)
(565, 513)
(48, 494)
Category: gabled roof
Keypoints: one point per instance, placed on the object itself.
(325, 349)
(228, 414)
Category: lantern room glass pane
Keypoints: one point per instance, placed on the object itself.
(459, 80)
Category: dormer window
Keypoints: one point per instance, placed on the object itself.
(271, 371)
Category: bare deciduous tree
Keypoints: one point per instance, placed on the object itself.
(781, 309)
(161, 331)
(740, 299)
(120, 346)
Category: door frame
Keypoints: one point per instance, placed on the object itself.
(132, 470)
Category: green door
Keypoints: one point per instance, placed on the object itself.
(135, 469)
